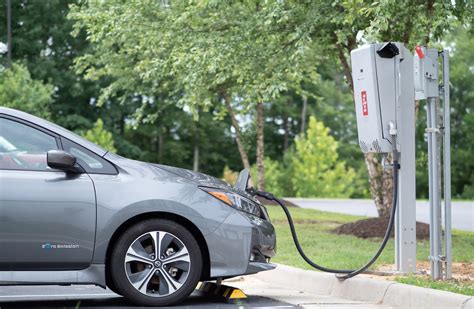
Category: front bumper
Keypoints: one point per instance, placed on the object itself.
(242, 245)
(263, 239)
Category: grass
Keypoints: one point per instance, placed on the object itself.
(346, 251)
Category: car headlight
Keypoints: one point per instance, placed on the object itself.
(235, 200)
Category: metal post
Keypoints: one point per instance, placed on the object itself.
(435, 205)
(447, 164)
(427, 87)
(405, 228)
(430, 184)
(9, 33)
(397, 236)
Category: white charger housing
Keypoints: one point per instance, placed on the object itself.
(379, 72)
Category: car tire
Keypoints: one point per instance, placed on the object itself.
(165, 278)
(112, 287)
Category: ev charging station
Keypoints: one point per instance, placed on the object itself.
(388, 79)
(385, 107)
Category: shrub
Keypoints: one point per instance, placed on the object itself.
(99, 135)
(317, 171)
(18, 90)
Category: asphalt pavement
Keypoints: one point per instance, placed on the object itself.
(94, 297)
(462, 212)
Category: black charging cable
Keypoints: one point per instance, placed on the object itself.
(342, 273)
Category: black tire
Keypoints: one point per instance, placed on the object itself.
(111, 286)
(119, 274)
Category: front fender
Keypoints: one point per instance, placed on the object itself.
(133, 198)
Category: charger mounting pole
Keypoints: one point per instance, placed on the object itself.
(405, 220)
(428, 87)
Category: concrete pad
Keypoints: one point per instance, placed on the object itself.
(409, 296)
(294, 296)
(362, 289)
(305, 280)
(468, 304)
(341, 306)
(253, 285)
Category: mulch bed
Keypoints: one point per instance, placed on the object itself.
(375, 227)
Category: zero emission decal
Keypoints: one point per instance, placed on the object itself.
(49, 246)
(365, 107)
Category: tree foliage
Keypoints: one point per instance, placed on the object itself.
(278, 177)
(461, 43)
(317, 169)
(196, 52)
(42, 41)
(18, 90)
(100, 136)
(193, 50)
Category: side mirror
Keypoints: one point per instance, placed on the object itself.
(62, 160)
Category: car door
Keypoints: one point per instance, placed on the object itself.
(47, 217)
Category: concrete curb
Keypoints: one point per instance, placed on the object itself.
(387, 293)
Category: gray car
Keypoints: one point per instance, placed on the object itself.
(73, 213)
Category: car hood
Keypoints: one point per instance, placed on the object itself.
(204, 180)
(199, 178)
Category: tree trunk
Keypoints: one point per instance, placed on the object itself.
(196, 157)
(196, 144)
(380, 181)
(9, 34)
(122, 124)
(303, 114)
(160, 144)
(346, 68)
(238, 134)
(286, 136)
(260, 146)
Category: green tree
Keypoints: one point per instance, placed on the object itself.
(317, 170)
(42, 41)
(242, 52)
(47, 48)
(461, 43)
(100, 136)
(277, 179)
(18, 90)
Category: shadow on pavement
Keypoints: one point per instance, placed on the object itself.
(193, 301)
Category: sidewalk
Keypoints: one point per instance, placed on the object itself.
(362, 291)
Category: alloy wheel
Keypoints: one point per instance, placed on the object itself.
(157, 263)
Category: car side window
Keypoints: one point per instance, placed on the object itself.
(23, 147)
(89, 161)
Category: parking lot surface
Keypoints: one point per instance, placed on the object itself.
(260, 295)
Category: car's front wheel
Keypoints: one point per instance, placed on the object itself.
(156, 263)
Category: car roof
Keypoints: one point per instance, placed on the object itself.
(54, 128)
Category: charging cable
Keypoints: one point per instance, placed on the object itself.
(343, 274)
